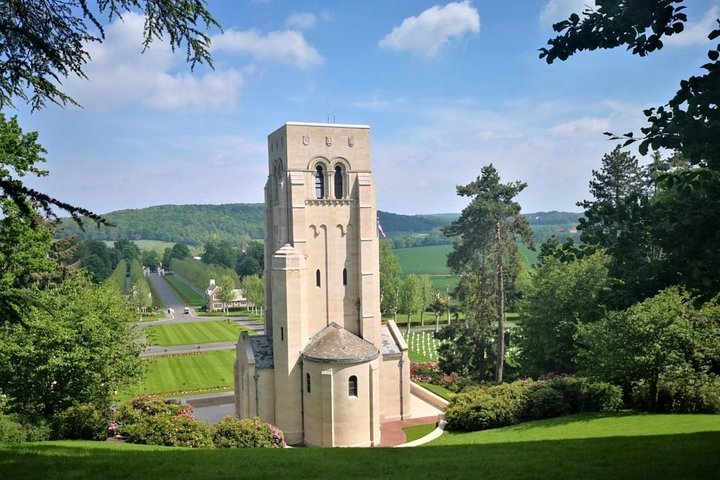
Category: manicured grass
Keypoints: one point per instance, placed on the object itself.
(198, 332)
(189, 374)
(430, 260)
(658, 452)
(589, 425)
(422, 346)
(186, 294)
(438, 390)
(417, 431)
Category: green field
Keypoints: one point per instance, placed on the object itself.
(188, 333)
(588, 447)
(188, 374)
(432, 261)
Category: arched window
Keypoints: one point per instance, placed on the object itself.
(352, 386)
(317, 278)
(319, 182)
(344, 276)
(338, 182)
(307, 382)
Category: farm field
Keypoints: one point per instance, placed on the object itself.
(188, 374)
(618, 447)
(432, 261)
(188, 333)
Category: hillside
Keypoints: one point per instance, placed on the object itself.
(240, 222)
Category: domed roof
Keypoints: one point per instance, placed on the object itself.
(334, 344)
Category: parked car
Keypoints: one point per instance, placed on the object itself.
(187, 310)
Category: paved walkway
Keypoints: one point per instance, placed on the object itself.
(391, 433)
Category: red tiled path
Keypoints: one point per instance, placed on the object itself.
(391, 433)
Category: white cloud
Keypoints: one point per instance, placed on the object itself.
(426, 34)
(288, 46)
(119, 74)
(696, 33)
(581, 126)
(301, 21)
(558, 10)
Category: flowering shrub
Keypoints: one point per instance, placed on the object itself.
(232, 432)
(427, 372)
(156, 422)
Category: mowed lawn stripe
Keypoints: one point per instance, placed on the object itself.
(189, 333)
(196, 371)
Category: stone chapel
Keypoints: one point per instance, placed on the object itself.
(327, 371)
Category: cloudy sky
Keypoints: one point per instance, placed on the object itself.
(445, 87)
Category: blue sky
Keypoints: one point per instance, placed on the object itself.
(445, 87)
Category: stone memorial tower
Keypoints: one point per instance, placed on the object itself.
(327, 371)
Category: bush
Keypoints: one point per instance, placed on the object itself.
(545, 402)
(481, 408)
(680, 391)
(14, 429)
(81, 422)
(232, 432)
(156, 422)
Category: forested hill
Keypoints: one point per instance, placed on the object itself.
(190, 224)
(241, 222)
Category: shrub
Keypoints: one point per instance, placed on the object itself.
(545, 402)
(481, 408)
(600, 397)
(156, 422)
(232, 432)
(81, 422)
(681, 391)
(14, 429)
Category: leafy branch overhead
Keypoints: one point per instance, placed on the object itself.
(43, 42)
(690, 121)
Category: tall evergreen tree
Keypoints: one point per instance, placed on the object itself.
(485, 253)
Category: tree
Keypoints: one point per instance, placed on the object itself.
(127, 249)
(26, 264)
(226, 283)
(222, 253)
(411, 299)
(485, 251)
(179, 251)
(252, 260)
(79, 345)
(562, 297)
(616, 219)
(150, 259)
(390, 271)
(253, 288)
(689, 123)
(427, 295)
(641, 343)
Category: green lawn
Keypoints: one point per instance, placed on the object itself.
(187, 333)
(188, 374)
(422, 347)
(417, 431)
(590, 425)
(186, 294)
(618, 447)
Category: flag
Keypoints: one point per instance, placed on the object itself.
(380, 230)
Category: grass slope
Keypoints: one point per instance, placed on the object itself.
(646, 447)
(187, 333)
(189, 374)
